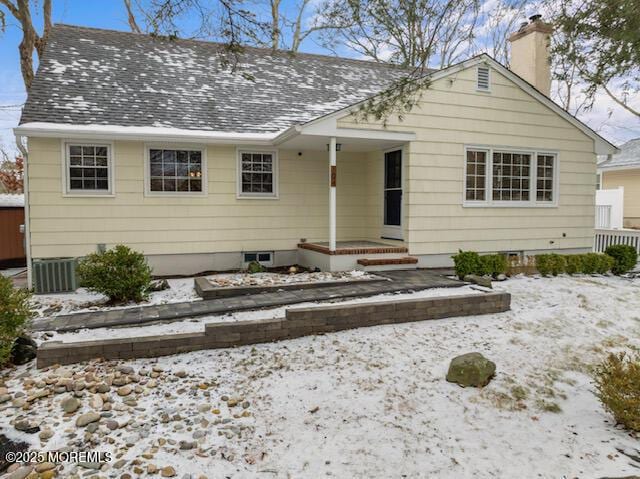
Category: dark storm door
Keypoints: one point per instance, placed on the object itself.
(392, 224)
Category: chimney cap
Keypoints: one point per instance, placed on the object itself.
(536, 25)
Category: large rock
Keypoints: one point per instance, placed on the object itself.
(471, 369)
(87, 419)
(24, 349)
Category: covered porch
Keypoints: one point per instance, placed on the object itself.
(377, 242)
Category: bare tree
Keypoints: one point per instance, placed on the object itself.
(131, 18)
(410, 33)
(31, 40)
(499, 22)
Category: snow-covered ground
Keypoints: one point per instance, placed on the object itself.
(373, 402)
(274, 279)
(180, 290)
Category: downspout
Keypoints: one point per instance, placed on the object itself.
(25, 188)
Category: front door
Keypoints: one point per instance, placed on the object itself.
(392, 224)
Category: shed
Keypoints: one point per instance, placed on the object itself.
(12, 252)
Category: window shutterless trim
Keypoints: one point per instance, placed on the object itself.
(174, 146)
(532, 203)
(274, 195)
(65, 173)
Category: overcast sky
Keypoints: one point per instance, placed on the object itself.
(607, 118)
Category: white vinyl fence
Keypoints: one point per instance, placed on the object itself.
(603, 216)
(608, 237)
(609, 208)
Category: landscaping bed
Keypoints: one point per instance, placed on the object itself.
(240, 284)
(372, 402)
(81, 301)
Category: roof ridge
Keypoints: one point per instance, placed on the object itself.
(265, 50)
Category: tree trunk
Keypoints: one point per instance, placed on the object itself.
(133, 25)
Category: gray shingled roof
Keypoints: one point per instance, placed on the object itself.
(104, 77)
(628, 157)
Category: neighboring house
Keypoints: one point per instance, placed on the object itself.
(623, 170)
(12, 251)
(155, 144)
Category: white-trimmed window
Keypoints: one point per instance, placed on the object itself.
(176, 171)
(265, 258)
(257, 174)
(476, 175)
(88, 169)
(511, 176)
(504, 177)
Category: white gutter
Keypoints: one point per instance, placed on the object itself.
(140, 133)
(27, 228)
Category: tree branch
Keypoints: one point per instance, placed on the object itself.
(620, 102)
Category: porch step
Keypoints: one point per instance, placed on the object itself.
(387, 264)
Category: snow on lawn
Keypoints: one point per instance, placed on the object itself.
(273, 279)
(195, 325)
(373, 402)
(180, 290)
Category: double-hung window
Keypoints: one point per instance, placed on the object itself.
(88, 169)
(505, 177)
(176, 171)
(257, 174)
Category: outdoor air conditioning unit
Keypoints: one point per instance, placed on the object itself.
(54, 275)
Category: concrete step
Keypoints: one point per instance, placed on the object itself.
(387, 264)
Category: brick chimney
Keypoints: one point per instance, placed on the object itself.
(530, 53)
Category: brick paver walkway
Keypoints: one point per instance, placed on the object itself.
(400, 281)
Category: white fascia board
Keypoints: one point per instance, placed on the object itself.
(328, 127)
(604, 169)
(141, 133)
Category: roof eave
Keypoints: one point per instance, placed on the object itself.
(115, 132)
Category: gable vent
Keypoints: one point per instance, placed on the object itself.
(483, 78)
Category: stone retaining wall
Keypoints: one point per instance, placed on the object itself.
(298, 322)
(206, 290)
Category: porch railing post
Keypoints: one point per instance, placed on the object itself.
(332, 194)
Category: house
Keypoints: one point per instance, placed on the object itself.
(622, 171)
(158, 144)
(12, 251)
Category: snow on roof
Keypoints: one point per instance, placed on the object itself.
(91, 76)
(13, 201)
(629, 156)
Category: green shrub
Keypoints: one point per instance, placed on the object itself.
(119, 273)
(553, 264)
(466, 262)
(617, 382)
(493, 265)
(254, 267)
(15, 311)
(590, 263)
(625, 258)
(605, 263)
(574, 263)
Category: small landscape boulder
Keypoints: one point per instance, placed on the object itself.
(471, 370)
(479, 280)
(24, 349)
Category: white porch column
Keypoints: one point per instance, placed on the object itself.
(332, 194)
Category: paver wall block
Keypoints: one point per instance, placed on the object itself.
(301, 322)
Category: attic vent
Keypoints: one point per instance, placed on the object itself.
(483, 78)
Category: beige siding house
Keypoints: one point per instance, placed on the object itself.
(214, 170)
(622, 170)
